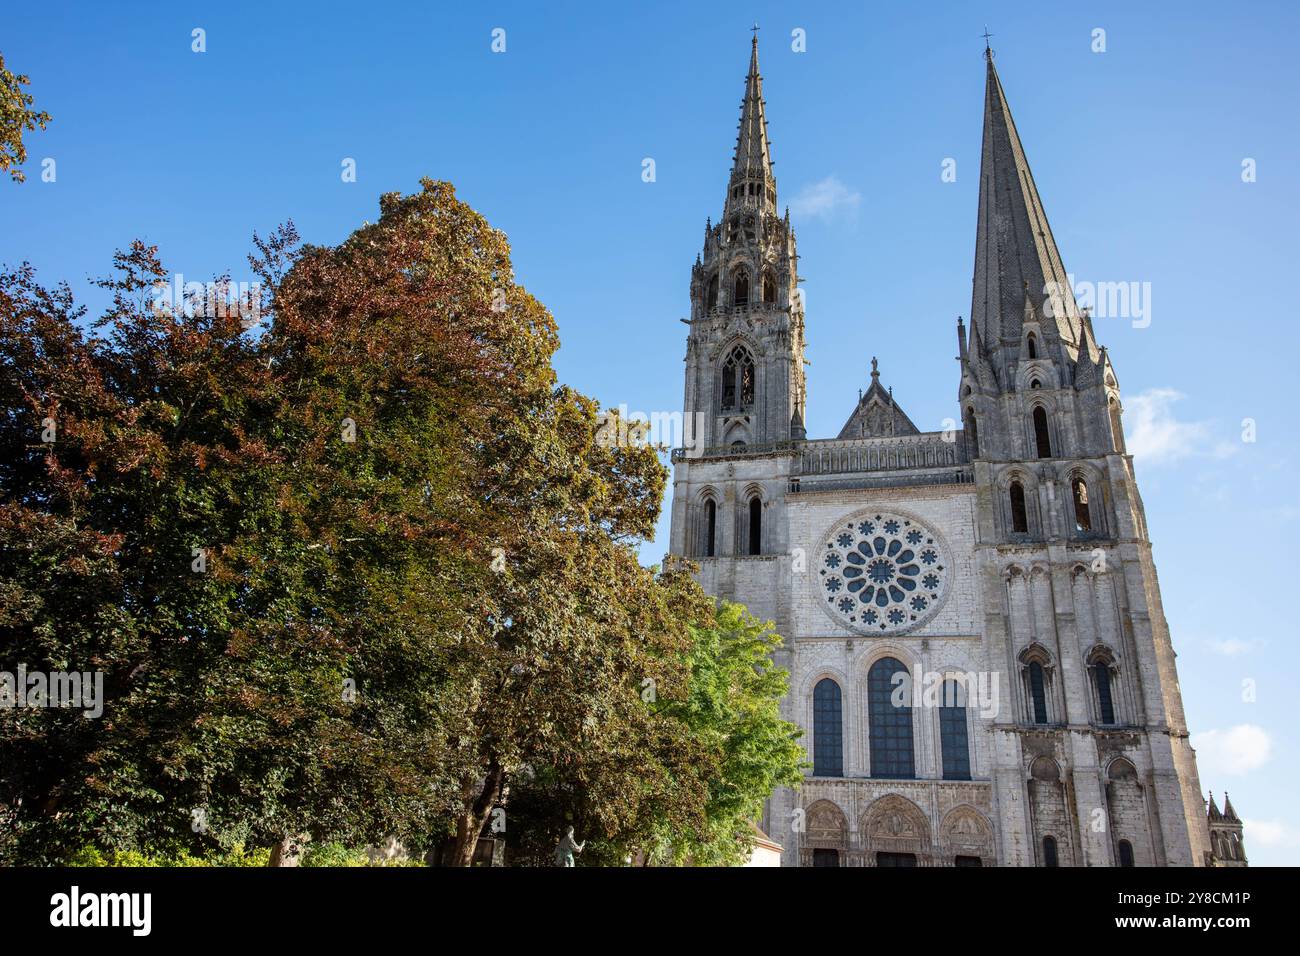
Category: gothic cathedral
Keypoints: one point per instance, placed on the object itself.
(973, 630)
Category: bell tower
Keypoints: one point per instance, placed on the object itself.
(744, 352)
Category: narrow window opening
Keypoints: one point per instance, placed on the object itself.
(755, 526)
(1038, 692)
(710, 526)
(1041, 436)
(1049, 851)
(1105, 700)
(1019, 516)
(1082, 518)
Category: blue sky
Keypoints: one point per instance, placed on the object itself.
(1137, 151)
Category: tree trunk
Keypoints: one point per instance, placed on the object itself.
(289, 851)
(470, 823)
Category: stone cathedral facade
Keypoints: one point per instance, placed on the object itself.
(973, 629)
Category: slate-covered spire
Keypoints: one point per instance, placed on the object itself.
(1015, 252)
(752, 182)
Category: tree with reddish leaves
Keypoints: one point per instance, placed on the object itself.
(359, 571)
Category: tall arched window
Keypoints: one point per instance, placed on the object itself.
(711, 296)
(972, 435)
(1125, 853)
(710, 527)
(1105, 700)
(738, 380)
(1032, 343)
(891, 726)
(1041, 436)
(952, 732)
(1079, 491)
(828, 735)
(1049, 851)
(741, 288)
(755, 525)
(1019, 516)
(1037, 692)
(769, 287)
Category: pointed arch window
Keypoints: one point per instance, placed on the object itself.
(1019, 514)
(738, 380)
(1049, 852)
(828, 733)
(710, 527)
(1079, 492)
(952, 732)
(1041, 436)
(1037, 692)
(1125, 853)
(741, 288)
(892, 756)
(1105, 699)
(1032, 344)
(755, 525)
(711, 296)
(769, 286)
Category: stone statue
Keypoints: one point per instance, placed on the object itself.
(565, 849)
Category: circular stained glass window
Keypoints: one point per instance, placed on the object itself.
(880, 572)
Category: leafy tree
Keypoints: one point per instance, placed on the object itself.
(16, 117)
(359, 575)
(737, 750)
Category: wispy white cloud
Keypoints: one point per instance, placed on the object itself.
(1157, 437)
(1233, 752)
(825, 200)
(1234, 647)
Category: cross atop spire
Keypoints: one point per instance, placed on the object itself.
(987, 35)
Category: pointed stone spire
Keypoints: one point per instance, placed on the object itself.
(1228, 812)
(1015, 253)
(752, 182)
(1213, 811)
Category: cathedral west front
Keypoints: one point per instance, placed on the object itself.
(972, 622)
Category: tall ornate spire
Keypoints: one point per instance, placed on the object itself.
(1015, 253)
(752, 181)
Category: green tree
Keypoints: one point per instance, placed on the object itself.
(16, 117)
(700, 810)
(359, 575)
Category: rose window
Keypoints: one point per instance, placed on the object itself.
(882, 573)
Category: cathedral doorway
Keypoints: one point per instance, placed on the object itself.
(895, 859)
(824, 857)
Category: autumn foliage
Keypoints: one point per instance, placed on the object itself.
(360, 570)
